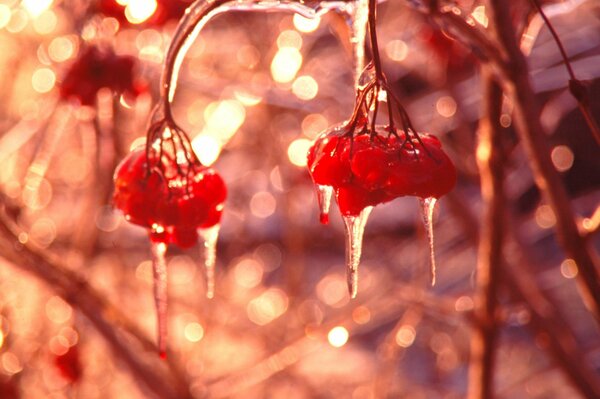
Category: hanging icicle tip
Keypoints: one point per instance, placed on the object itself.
(164, 188)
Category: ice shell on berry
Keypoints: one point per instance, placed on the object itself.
(173, 207)
(369, 169)
(328, 158)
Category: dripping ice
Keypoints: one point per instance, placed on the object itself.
(324, 194)
(209, 239)
(355, 227)
(427, 207)
(159, 272)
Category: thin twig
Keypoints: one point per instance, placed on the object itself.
(106, 318)
(531, 133)
(546, 318)
(577, 89)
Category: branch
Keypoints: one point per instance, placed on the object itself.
(548, 325)
(531, 133)
(491, 161)
(483, 47)
(105, 317)
(577, 89)
(546, 320)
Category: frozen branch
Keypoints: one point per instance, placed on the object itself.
(531, 133)
(491, 161)
(105, 317)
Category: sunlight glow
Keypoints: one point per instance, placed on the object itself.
(306, 25)
(207, 149)
(36, 7)
(297, 151)
(286, 64)
(338, 336)
(138, 11)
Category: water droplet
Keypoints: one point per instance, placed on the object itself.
(209, 237)
(324, 197)
(355, 227)
(427, 206)
(159, 268)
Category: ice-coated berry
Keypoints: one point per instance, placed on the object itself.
(370, 169)
(171, 204)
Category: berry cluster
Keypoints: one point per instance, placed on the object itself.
(370, 169)
(96, 68)
(166, 10)
(170, 202)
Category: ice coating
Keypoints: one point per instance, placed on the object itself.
(427, 208)
(201, 12)
(377, 167)
(324, 194)
(355, 228)
(209, 239)
(159, 272)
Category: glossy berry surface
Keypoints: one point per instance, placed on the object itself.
(166, 10)
(69, 365)
(95, 69)
(367, 170)
(171, 204)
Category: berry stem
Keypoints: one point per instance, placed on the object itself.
(373, 35)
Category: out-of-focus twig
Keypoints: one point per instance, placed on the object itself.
(529, 128)
(546, 319)
(491, 162)
(577, 89)
(549, 326)
(476, 39)
(384, 379)
(591, 225)
(105, 317)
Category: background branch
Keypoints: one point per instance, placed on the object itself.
(531, 133)
(491, 162)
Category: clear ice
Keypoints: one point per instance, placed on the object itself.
(324, 194)
(427, 207)
(159, 269)
(355, 227)
(209, 237)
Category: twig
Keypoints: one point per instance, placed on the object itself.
(548, 325)
(105, 317)
(491, 161)
(577, 89)
(529, 128)
(546, 319)
(485, 48)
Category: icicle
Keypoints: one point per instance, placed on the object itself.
(159, 267)
(355, 227)
(324, 197)
(359, 32)
(427, 206)
(209, 237)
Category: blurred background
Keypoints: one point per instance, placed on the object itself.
(77, 316)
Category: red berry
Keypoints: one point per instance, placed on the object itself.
(370, 169)
(95, 69)
(328, 159)
(68, 364)
(170, 204)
